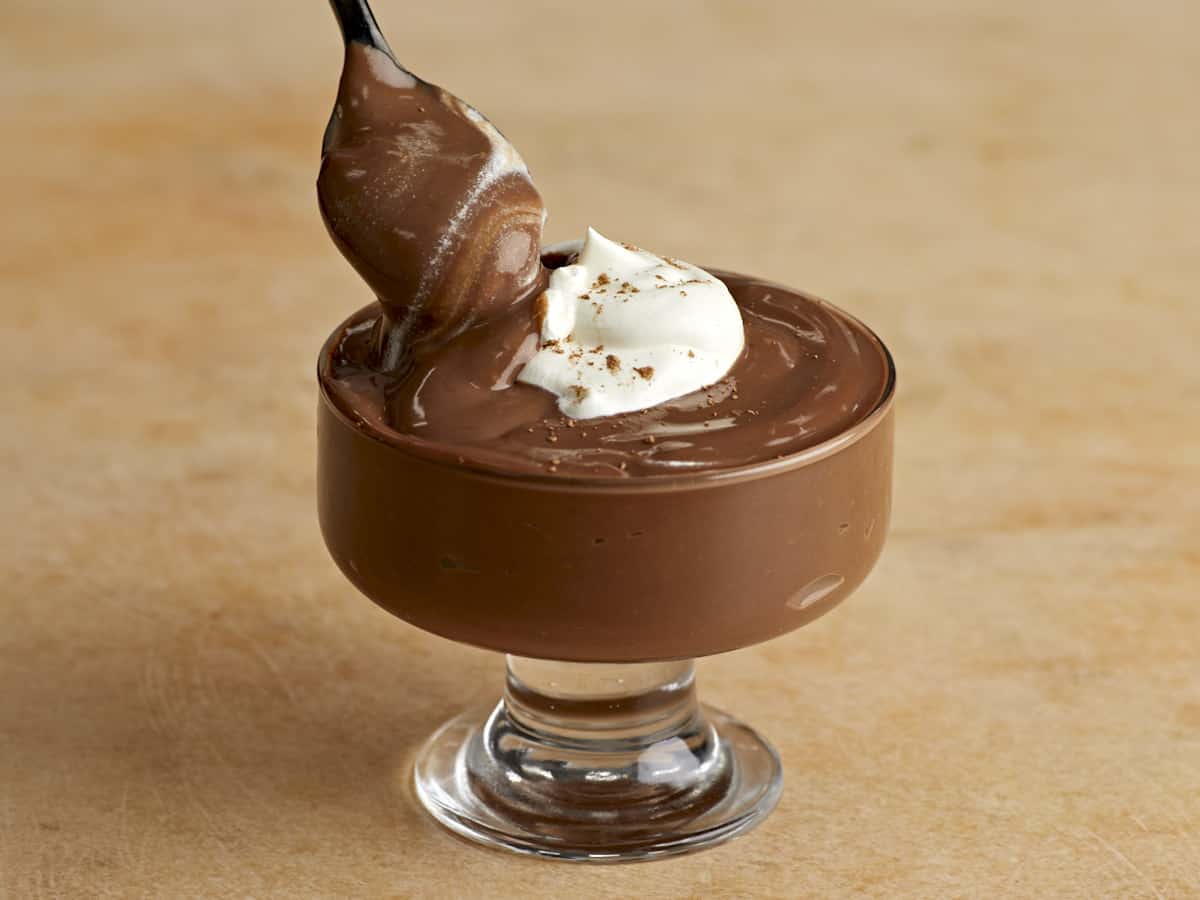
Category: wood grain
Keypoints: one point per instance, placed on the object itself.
(193, 701)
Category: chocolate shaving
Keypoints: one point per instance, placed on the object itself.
(541, 308)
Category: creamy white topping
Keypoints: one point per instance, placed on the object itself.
(624, 330)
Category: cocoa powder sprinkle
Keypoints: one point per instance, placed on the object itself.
(541, 308)
(646, 372)
(613, 363)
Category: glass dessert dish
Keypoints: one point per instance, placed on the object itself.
(601, 591)
(597, 460)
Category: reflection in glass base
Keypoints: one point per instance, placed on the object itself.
(597, 762)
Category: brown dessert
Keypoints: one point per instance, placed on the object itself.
(428, 202)
(807, 374)
(604, 569)
(466, 503)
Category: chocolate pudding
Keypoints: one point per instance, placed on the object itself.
(428, 202)
(734, 486)
(807, 374)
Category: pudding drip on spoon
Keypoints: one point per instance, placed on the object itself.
(429, 203)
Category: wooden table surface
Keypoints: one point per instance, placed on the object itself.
(194, 702)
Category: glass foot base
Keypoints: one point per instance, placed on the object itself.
(625, 766)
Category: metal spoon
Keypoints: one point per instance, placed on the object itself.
(357, 23)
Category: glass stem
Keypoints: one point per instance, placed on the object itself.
(626, 707)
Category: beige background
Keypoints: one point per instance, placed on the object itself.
(194, 702)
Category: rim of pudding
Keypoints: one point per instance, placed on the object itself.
(452, 456)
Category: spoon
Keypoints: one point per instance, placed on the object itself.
(358, 26)
(429, 203)
(357, 23)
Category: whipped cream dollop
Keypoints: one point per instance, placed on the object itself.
(624, 330)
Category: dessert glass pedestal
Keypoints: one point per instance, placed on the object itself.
(592, 761)
(601, 591)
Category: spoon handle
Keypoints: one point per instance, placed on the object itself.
(358, 24)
